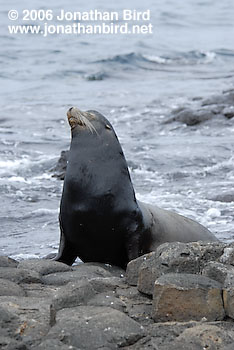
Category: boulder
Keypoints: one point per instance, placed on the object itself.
(217, 271)
(92, 327)
(59, 169)
(108, 300)
(10, 288)
(192, 117)
(206, 336)
(228, 255)
(185, 297)
(73, 294)
(133, 267)
(43, 267)
(78, 273)
(5, 261)
(33, 317)
(53, 344)
(176, 257)
(19, 275)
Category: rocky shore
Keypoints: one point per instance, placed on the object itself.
(179, 297)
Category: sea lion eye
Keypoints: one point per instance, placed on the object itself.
(108, 127)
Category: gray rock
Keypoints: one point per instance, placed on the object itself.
(185, 297)
(8, 322)
(228, 347)
(108, 300)
(43, 267)
(163, 333)
(177, 257)
(53, 344)
(104, 284)
(225, 99)
(182, 345)
(228, 112)
(226, 197)
(218, 271)
(5, 261)
(73, 294)
(10, 288)
(80, 272)
(133, 269)
(228, 301)
(207, 336)
(90, 327)
(191, 335)
(34, 316)
(16, 345)
(137, 305)
(115, 271)
(11, 344)
(19, 275)
(228, 255)
(191, 117)
(38, 290)
(60, 168)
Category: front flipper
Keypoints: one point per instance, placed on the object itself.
(66, 253)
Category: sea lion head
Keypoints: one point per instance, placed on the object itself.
(91, 121)
(97, 167)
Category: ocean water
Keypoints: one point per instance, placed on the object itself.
(135, 81)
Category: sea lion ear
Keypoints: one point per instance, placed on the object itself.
(108, 126)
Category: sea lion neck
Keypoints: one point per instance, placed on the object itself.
(98, 167)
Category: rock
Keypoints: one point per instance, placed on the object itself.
(80, 272)
(166, 333)
(115, 271)
(217, 271)
(43, 267)
(108, 300)
(182, 345)
(38, 290)
(228, 301)
(19, 275)
(133, 269)
(34, 316)
(97, 76)
(206, 337)
(104, 284)
(137, 305)
(223, 99)
(73, 294)
(10, 288)
(8, 322)
(228, 255)
(228, 347)
(10, 344)
(53, 344)
(176, 257)
(185, 297)
(60, 168)
(226, 197)
(5, 261)
(90, 327)
(191, 117)
(228, 112)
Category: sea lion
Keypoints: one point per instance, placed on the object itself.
(100, 218)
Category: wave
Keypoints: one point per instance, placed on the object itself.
(151, 62)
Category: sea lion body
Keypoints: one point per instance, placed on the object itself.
(100, 218)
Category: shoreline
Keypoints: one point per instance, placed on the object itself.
(177, 297)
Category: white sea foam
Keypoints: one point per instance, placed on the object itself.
(156, 59)
(44, 211)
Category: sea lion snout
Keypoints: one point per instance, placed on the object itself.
(76, 117)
